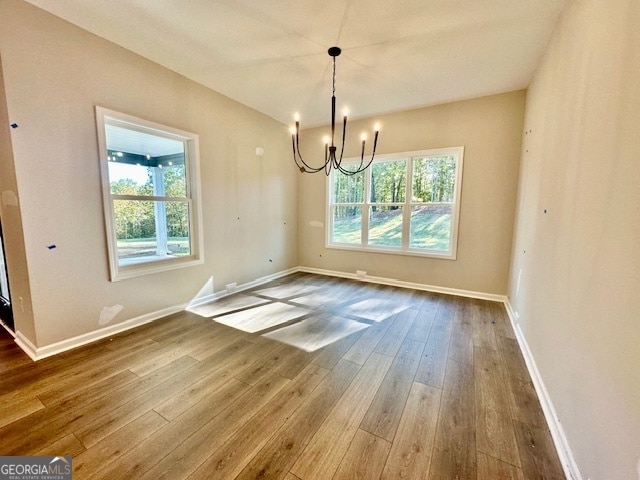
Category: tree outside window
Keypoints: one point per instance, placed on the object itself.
(150, 190)
(404, 203)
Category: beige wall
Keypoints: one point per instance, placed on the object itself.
(11, 218)
(55, 73)
(575, 275)
(490, 129)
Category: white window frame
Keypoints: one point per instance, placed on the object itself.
(404, 249)
(190, 141)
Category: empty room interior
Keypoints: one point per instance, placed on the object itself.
(207, 272)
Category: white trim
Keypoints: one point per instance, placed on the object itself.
(391, 250)
(401, 283)
(366, 204)
(6, 327)
(557, 432)
(133, 270)
(25, 344)
(560, 440)
(254, 283)
(38, 353)
(192, 198)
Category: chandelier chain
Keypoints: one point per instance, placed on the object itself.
(334, 76)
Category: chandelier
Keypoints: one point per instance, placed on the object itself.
(330, 158)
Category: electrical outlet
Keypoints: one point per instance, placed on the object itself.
(232, 287)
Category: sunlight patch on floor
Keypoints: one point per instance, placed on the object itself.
(313, 333)
(226, 305)
(318, 299)
(262, 317)
(286, 291)
(376, 310)
(286, 318)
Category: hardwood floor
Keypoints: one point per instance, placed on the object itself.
(413, 385)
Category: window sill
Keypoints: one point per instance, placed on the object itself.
(136, 267)
(392, 251)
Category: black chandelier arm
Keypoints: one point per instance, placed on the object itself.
(333, 119)
(295, 141)
(306, 168)
(296, 153)
(373, 153)
(293, 144)
(331, 159)
(336, 162)
(361, 167)
(375, 144)
(302, 165)
(297, 156)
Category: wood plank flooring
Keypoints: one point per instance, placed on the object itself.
(306, 378)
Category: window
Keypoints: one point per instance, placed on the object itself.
(150, 191)
(404, 203)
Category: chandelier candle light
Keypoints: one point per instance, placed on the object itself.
(330, 158)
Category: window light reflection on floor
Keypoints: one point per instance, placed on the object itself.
(376, 310)
(262, 317)
(285, 313)
(313, 333)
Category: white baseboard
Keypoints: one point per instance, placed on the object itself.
(6, 327)
(25, 344)
(560, 441)
(557, 432)
(245, 286)
(401, 283)
(38, 353)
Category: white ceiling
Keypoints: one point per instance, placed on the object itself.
(272, 54)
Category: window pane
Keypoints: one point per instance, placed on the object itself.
(347, 225)
(385, 226)
(144, 164)
(126, 179)
(148, 231)
(431, 227)
(388, 182)
(415, 187)
(175, 183)
(348, 188)
(434, 179)
(150, 195)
